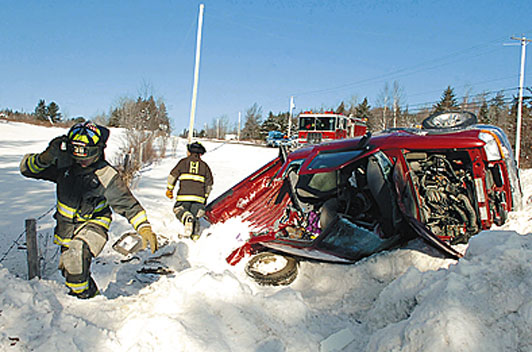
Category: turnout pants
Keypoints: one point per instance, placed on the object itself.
(184, 211)
(76, 257)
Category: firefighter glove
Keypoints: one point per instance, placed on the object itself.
(148, 236)
(169, 193)
(53, 151)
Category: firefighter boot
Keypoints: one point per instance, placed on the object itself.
(90, 292)
(195, 233)
(189, 225)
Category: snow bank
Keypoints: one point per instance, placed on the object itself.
(409, 299)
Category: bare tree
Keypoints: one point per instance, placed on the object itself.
(383, 100)
(398, 97)
(352, 104)
(218, 127)
(252, 125)
(467, 102)
(145, 90)
(147, 128)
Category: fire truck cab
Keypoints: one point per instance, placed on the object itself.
(315, 128)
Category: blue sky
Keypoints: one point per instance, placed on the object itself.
(86, 55)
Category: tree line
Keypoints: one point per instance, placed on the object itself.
(145, 120)
(499, 110)
(145, 113)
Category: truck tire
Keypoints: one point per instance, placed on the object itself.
(450, 120)
(271, 269)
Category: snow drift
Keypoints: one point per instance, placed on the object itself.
(409, 299)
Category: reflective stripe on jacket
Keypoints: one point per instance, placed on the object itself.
(85, 195)
(195, 179)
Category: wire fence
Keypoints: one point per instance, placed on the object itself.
(45, 238)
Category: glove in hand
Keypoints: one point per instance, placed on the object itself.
(148, 236)
(52, 152)
(170, 193)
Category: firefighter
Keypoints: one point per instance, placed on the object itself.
(195, 184)
(87, 187)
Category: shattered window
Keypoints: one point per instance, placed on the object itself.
(384, 163)
(352, 241)
(323, 182)
(328, 160)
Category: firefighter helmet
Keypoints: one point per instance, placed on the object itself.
(87, 140)
(196, 147)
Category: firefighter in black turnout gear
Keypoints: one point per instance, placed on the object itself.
(195, 184)
(87, 188)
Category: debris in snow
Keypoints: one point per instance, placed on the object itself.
(337, 341)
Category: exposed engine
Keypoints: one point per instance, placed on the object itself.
(445, 187)
(361, 193)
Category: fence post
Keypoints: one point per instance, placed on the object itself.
(31, 245)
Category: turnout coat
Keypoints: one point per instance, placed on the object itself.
(195, 179)
(86, 196)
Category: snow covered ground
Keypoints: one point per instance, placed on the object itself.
(409, 299)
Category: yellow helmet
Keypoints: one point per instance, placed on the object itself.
(87, 140)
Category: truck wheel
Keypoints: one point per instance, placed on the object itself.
(272, 269)
(450, 120)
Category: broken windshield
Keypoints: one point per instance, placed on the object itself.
(331, 160)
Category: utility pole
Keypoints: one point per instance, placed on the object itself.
(524, 42)
(196, 76)
(384, 112)
(238, 130)
(394, 112)
(292, 106)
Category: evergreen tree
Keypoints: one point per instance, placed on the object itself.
(483, 115)
(497, 110)
(341, 109)
(362, 110)
(526, 137)
(252, 125)
(273, 122)
(270, 124)
(143, 114)
(447, 102)
(53, 112)
(78, 119)
(163, 118)
(41, 112)
(114, 119)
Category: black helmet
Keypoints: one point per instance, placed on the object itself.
(196, 147)
(87, 140)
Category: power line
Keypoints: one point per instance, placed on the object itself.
(477, 94)
(402, 72)
(504, 99)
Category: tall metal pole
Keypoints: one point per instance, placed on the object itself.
(238, 132)
(292, 106)
(524, 42)
(196, 76)
(394, 112)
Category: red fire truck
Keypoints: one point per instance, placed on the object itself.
(315, 128)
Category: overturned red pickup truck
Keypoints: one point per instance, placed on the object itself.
(345, 200)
